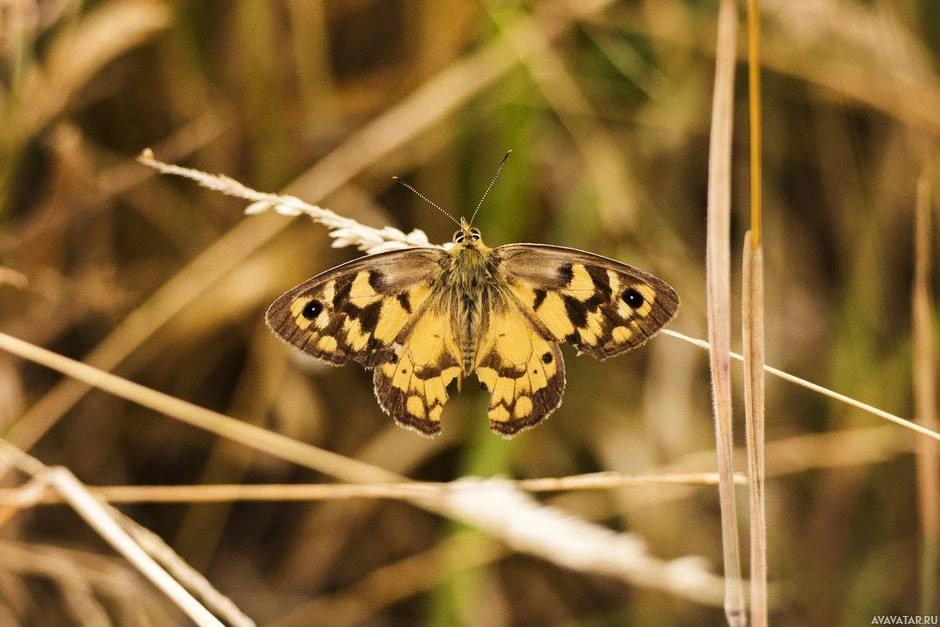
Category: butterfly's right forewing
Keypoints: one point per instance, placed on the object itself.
(600, 306)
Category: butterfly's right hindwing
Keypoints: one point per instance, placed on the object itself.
(357, 310)
(522, 368)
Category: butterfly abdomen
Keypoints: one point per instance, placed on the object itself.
(474, 289)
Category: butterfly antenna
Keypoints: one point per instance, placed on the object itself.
(495, 176)
(424, 198)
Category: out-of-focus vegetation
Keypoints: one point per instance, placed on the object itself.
(606, 106)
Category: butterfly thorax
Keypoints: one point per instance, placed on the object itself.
(471, 288)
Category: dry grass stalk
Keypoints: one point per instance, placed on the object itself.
(183, 572)
(500, 510)
(344, 231)
(577, 544)
(809, 385)
(718, 291)
(753, 335)
(787, 456)
(310, 456)
(216, 493)
(925, 397)
(753, 330)
(107, 526)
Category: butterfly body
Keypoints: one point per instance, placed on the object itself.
(423, 318)
(468, 288)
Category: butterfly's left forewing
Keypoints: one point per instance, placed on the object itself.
(600, 306)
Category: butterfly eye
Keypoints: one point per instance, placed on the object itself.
(475, 234)
(458, 237)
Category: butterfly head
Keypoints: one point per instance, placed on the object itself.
(467, 236)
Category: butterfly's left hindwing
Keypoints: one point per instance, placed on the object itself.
(600, 306)
(359, 309)
(521, 367)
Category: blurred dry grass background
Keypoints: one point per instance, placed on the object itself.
(606, 106)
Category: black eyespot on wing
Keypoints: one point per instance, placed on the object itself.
(547, 358)
(632, 298)
(312, 309)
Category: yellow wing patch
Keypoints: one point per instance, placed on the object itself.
(523, 371)
(412, 387)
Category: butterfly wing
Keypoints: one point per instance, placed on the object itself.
(357, 310)
(411, 387)
(521, 365)
(377, 310)
(600, 306)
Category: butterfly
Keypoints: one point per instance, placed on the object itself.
(422, 318)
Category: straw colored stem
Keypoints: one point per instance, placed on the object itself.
(753, 329)
(925, 395)
(754, 108)
(718, 278)
(223, 493)
(815, 387)
(260, 439)
(753, 336)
